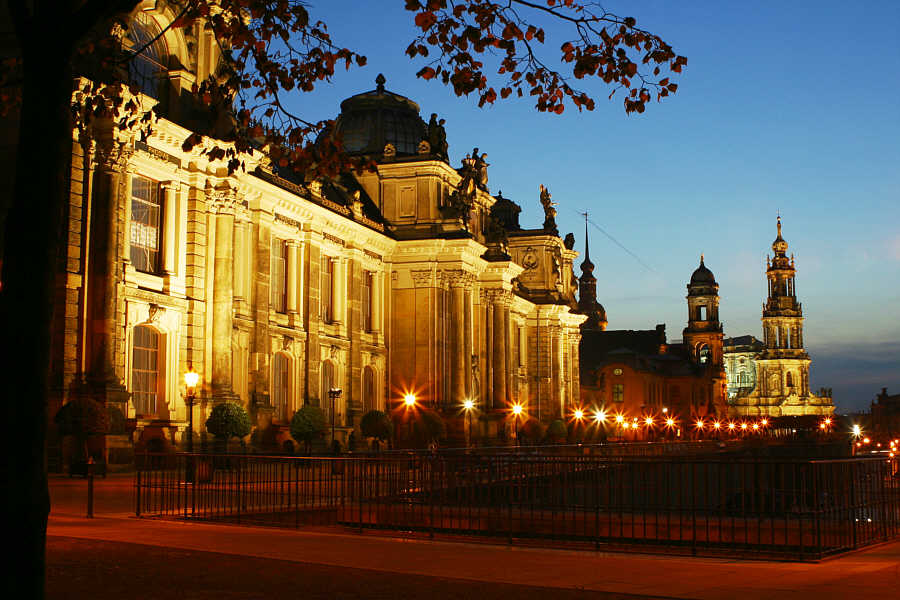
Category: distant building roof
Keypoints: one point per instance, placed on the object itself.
(743, 343)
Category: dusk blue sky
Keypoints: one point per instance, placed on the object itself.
(784, 106)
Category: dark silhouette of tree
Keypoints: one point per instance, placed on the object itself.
(272, 48)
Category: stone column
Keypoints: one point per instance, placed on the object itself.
(291, 292)
(223, 203)
(459, 351)
(468, 343)
(103, 279)
(241, 252)
(499, 358)
(170, 227)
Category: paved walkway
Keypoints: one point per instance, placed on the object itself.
(873, 573)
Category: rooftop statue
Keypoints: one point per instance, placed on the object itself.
(549, 211)
(437, 137)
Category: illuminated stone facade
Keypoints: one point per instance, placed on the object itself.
(275, 290)
(781, 380)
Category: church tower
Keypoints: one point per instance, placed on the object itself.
(703, 335)
(782, 368)
(782, 315)
(587, 292)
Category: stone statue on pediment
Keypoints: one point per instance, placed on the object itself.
(549, 211)
(437, 137)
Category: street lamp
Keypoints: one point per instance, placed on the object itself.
(333, 394)
(468, 406)
(191, 378)
(409, 401)
(517, 410)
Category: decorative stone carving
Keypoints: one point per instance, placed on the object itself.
(389, 150)
(286, 343)
(437, 136)
(458, 278)
(222, 199)
(549, 211)
(529, 259)
(423, 278)
(424, 147)
(112, 155)
(155, 313)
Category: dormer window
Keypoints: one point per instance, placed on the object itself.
(147, 66)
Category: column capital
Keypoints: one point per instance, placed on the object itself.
(497, 296)
(458, 278)
(423, 277)
(223, 200)
(111, 155)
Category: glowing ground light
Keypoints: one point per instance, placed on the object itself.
(468, 404)
(699, 424)
(743, 426)
(600, 417)
(620, 419)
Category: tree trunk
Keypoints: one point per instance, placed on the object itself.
(30, 264)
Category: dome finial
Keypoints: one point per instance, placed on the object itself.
(379, 83)
(779, 225)
(587, 266)
(701, 258)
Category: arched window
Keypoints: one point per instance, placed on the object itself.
(703, 354)
(281, 385)
(369, 399)
(789, 380)
(145, 371)
(146, 69)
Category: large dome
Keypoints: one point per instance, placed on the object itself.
(702, 275)
(373, 119)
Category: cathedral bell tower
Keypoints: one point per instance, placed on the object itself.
(703, 335)
(782, 315)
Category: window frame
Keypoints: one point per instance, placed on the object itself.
(146, 398)
(153, 265)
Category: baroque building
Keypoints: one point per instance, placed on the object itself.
(638, 374)
(412, 278)
(780, 383)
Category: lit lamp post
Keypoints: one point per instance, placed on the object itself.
(333, 394)
(191, 378)
(468, 406)
(409, 401)
(517, 410)
(579, 417)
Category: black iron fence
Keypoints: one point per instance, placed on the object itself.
(779, 508)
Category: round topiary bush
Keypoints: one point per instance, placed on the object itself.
(82, 417)
(116, 420)
(308, 424)
(557, 431)
(532, 431)
(428, 427)
(376, 424)
(228, 420)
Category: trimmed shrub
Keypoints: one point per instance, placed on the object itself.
(116, 420)
(376, 424)
(82, 417)
(428, 427)
(532, 431)
(228, 420)
(308, 424)
(557, 431)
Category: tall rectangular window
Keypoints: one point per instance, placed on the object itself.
(618, 392)
(144, 237)
(278, 280)
(327, 289)
(367, 299)
(281, 381)
(145, 370)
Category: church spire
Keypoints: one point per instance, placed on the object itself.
(587, 290)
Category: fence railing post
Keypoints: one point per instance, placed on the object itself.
(137, 491)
